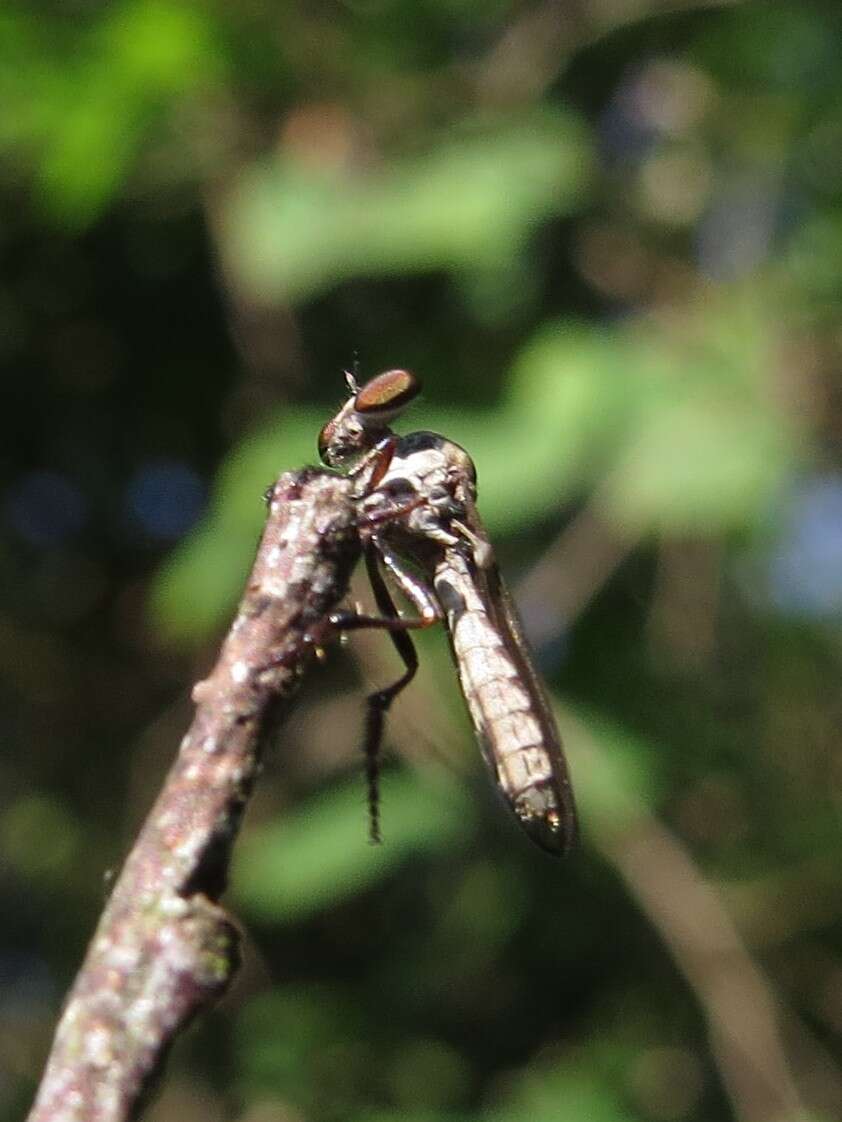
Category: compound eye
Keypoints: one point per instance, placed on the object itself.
(385, 396)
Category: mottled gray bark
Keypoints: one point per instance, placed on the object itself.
(163, 948)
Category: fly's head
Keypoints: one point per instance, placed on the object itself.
(364, 419)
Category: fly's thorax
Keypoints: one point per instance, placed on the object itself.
(434, 478)
(420, 532)
(424, 463)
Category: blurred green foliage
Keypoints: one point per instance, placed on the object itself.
(319, 855)
(608, 238)
(295, 231)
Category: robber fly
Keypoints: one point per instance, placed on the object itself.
(416, 496)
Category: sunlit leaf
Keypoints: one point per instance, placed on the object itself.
(321, 853)
(97, 112)
(615, 773)
(472, 199)
(559, 1094)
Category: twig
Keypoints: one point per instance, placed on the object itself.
(737, 999)
(575, 568)
(163, 948)
(685, 602)
(536, 46)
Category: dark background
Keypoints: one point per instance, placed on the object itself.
(608, 236)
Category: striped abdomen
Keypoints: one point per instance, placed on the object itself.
(506, 701)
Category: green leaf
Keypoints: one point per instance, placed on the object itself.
(615, 773)
(321, 853)
(710, 441)
(553, 1094)
(98, 109)
(470, 202)
(198, 585)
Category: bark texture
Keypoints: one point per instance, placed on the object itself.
(163, 947)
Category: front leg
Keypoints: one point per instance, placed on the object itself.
(398, 628)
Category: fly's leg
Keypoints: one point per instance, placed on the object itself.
(377, 704)
(391, 510)
(481, 548)
(324, 630)
(375, 463)
(398, 628)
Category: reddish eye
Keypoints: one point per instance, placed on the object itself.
(386, 394)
